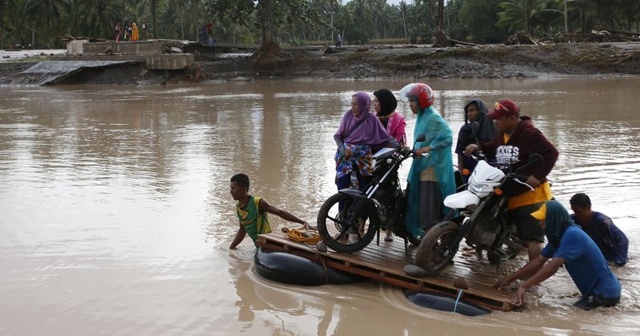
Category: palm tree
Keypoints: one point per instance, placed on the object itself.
(45, 10)
(6, 8)
(543, 15)
(97, 19)
(515, 15)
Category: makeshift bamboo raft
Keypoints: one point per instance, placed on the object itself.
(385, 263)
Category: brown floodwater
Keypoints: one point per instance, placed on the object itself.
(116, 215)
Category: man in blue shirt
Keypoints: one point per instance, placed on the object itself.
(610, 239)
(570, 246)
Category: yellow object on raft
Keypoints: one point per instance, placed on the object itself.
(302, 235)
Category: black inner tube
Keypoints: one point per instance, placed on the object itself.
(296, 270)
(444, 303)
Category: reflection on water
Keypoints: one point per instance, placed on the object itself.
(117, 213)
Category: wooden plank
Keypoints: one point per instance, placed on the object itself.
(385, 263)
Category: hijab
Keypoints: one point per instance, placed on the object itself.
(487, 129)
(388, 104)
(365, 129)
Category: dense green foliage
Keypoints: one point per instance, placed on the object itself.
(44, 23)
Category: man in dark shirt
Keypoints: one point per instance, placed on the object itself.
(516, 140)
(475, 111)
(610, 239)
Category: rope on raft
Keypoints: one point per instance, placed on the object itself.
(302, 235)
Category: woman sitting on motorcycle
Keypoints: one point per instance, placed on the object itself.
(431, 177)
(359, 131)
(385, 103)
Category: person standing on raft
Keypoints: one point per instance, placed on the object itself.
(252, 211)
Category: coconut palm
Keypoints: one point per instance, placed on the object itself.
(98, 17)
(7, 8)
(530, 15)
(42, 15)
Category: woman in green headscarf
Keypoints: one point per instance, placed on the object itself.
(431, 177)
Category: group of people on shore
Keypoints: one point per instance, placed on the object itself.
(585, 242)
(129, 32)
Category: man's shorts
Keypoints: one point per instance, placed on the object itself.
(529, 228)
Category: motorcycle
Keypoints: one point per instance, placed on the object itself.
(480, 218)
(342, 219)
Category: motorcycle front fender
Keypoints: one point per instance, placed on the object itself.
(353, 193)
(461, 200)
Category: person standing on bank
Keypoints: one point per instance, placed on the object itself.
(252, 211)
(475, 110)
(144, 30)
(610, 239)
(385, 103)
(514, 143)
(129, 32)
(570, 246)
(431, 176)
(118, 32)
(339, 41)
(134, 32)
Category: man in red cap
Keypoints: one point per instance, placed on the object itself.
(514, 143)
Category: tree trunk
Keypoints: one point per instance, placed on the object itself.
(269, 32)
(440, 14)
(2, 7)
(527, 14)
(153, 18)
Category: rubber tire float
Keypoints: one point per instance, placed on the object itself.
(291, 269)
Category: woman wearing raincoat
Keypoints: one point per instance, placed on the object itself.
(431, 177)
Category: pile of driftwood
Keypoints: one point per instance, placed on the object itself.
(599, 36)
(442, 40)
(522, 37)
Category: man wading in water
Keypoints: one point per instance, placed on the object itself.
(252, 211)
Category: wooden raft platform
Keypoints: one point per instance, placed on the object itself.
(385, 262)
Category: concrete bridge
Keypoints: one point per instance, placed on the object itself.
(154, 55)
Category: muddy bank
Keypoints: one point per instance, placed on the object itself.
(491, 61)
(488, 61)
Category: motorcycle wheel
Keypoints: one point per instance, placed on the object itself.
(430, 255)
(340, 229)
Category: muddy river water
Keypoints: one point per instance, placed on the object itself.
(115, 212)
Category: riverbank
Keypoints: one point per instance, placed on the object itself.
(488, 61)
(393, 61)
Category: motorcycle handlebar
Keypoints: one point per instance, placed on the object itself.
(478, 155)
(521, 179)
(405, 151)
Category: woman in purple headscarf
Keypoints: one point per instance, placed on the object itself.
(359, 131)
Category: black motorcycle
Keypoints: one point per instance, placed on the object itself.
(350, 219)
(481, 219)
